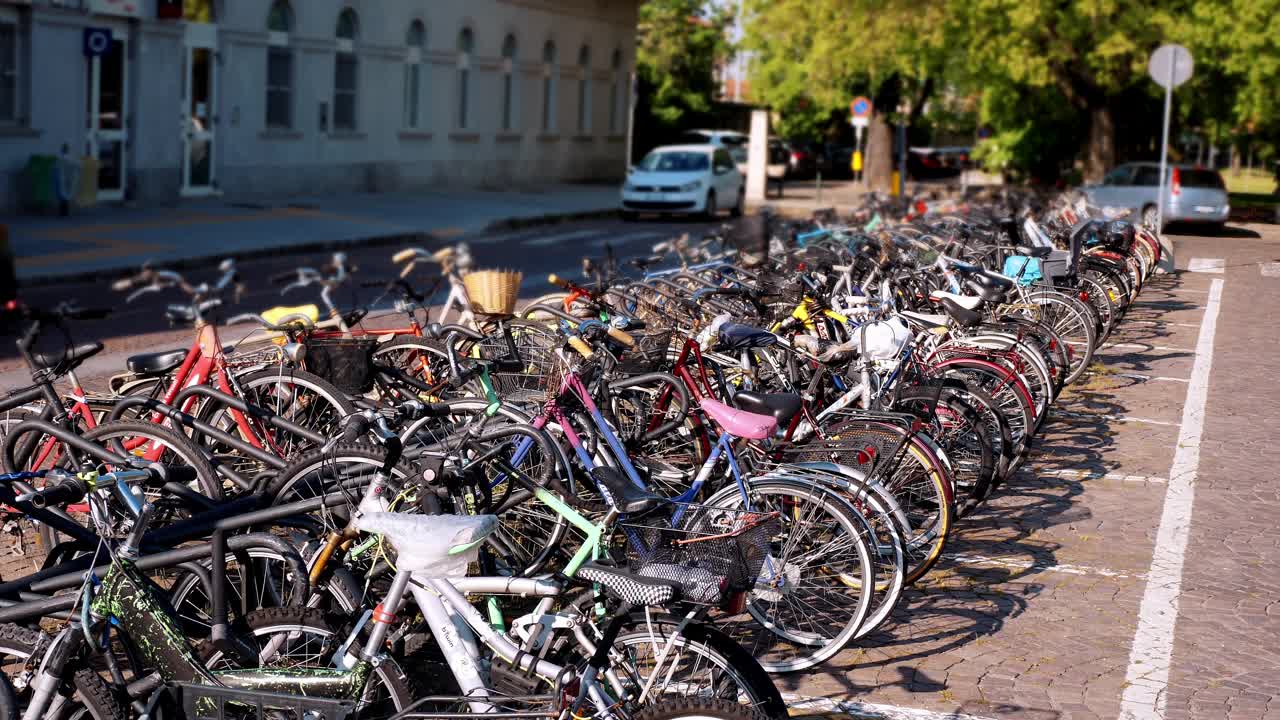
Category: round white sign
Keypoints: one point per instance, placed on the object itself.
(1170, 65)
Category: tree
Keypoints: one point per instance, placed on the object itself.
(811, 57)
(680, 45)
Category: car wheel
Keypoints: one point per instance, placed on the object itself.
(1150, 216)
(742, 203)
(710, 208)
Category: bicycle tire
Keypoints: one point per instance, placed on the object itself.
(828, 632)
(692, 708)
(293, 623)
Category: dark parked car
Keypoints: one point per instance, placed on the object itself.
(805, 159)
(929, 163)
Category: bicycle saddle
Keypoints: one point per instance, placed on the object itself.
(1035, 252)
(736, 336)
(630, 587)
(782, 406)
(434, 545)
(924, 320)
(156, 362)
(629, 498)
(968, 302)
(67, 358)
(739, 423)
(962, 315)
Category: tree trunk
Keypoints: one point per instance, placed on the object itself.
(1235, 159)
(1100, 155)
(878, 163)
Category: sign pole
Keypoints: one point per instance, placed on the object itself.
(857, 148)
(1164, 145)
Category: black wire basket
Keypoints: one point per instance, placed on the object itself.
(345, 362)
(713, 553)
(649, 354)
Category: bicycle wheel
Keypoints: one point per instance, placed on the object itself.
(697, 709)
(815, 589)
(700, 662)
(84, 695)
(290, 638)
(420, 359)
(529, 533)
(958, 428)
(1073, 325)
(294, 395)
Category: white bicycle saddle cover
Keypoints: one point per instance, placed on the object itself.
(432, 546)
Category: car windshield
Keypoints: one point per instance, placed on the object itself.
(674, 162)
(1202, 179)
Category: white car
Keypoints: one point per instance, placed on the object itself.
(689, 179)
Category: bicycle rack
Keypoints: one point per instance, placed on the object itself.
(204, 428)
(253, 410)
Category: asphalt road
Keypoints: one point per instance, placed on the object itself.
(141, 326)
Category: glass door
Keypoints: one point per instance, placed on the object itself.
(198, 110)
(108, 121)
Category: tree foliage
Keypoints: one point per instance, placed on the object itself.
(1050, 75)
(679, 46)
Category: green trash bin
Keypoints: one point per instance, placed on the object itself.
(39, 192)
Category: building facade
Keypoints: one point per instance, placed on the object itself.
(183, 98)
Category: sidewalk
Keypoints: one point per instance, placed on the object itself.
(103, 239)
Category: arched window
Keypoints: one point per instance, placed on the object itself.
(466, 44)
(508, 82)
(415, 41)
(615, 93)
(550, 77)
(279, 66)
(584, 90)
(345, 71)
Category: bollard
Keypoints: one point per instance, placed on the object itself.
(819, 202)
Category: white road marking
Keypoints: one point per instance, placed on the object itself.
(628, 238)
(1147, 679)
(1085, 475)
(1269, 269)
(1207, 265)
(868, 711)
(557, 238)
(1019, 564)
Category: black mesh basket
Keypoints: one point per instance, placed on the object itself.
(649, 354)
(712, 552)
(345, 362)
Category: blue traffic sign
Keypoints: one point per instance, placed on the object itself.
(860, 107)
(97, 41)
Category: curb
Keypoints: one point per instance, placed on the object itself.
(204, 261)
(420, 238)
(521, 223)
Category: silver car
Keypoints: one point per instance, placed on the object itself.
(1192, 194)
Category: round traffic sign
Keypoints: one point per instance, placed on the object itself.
(860, 107)
(1170, 65)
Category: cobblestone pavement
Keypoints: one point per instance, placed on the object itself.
(1034, 610)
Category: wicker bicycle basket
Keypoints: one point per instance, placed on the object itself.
(493, 292)
(711, 552)
(345, 362)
